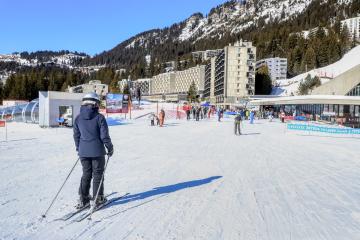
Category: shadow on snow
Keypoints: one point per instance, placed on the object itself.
(162, 190)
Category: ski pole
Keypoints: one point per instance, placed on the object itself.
(44, 215)
(98, 190)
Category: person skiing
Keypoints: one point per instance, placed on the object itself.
(194, 112)
(252, 116)
(161, 117)
(187, 109)
(91, 136)
(237, 123)
(197, 113)
(220, 114)
(152, 119)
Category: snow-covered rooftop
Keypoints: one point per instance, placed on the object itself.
(290, 86)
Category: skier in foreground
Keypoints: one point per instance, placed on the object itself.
(91, 133)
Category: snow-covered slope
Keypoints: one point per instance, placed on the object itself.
(290, 86)
(188, 180)
(65, 59)
(232, 17)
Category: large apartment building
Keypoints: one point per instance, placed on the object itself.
(162, 84)
(232, 74)
(143, 84)
(205, 55)
(174, 86)
(125, 83)
(277, 67)
(93, 86)
(183, 79)
(353, 25)
(209, 80)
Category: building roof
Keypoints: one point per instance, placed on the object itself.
(340, 85)
(308, 99)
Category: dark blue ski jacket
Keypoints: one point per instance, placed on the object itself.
(91, 133)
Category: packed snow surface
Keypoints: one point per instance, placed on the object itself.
(187, 180)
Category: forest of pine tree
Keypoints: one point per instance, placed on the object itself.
(27, 82)
(263, 83)
(192, 93)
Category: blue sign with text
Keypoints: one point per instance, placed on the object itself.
(314, 128)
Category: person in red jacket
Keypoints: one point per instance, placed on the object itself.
(161, 117)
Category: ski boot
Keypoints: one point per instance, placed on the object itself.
(101, 199)
(83, 202)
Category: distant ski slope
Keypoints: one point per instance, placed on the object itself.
(289, 86)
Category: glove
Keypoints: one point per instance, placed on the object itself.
(110, 152)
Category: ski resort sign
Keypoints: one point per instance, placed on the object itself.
(117, 103)
(322, 129)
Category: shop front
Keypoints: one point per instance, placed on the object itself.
(343, 110)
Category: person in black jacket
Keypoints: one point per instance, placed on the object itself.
(91, 136)
(237, 123)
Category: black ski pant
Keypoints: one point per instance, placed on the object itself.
(92, 168)
(237, 127)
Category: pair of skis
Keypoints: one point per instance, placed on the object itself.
(83, 215)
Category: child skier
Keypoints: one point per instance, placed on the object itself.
(152, 119)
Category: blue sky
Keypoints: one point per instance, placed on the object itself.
(87, 25)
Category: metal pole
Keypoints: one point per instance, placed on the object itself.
(98, 190)
(6, 135)
(44, 215)
(157, 108)
(130, 108)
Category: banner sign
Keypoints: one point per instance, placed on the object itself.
(117, 103)
(2, 123)
(288, 118)
(314, 128)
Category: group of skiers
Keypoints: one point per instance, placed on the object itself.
(198, 112)
(159, 119)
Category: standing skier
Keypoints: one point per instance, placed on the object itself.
(91, 134)
(237, 123)
(161, 117)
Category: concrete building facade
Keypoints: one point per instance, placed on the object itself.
(209, 80)
(234, 74)
(163, 83)
(184, 79)
(277, 67)
(124, 82)
(92, 86)
(50, 104)
(353, 25)
(143, 84)
(205, 55)
(347, 83)
(174, 86)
